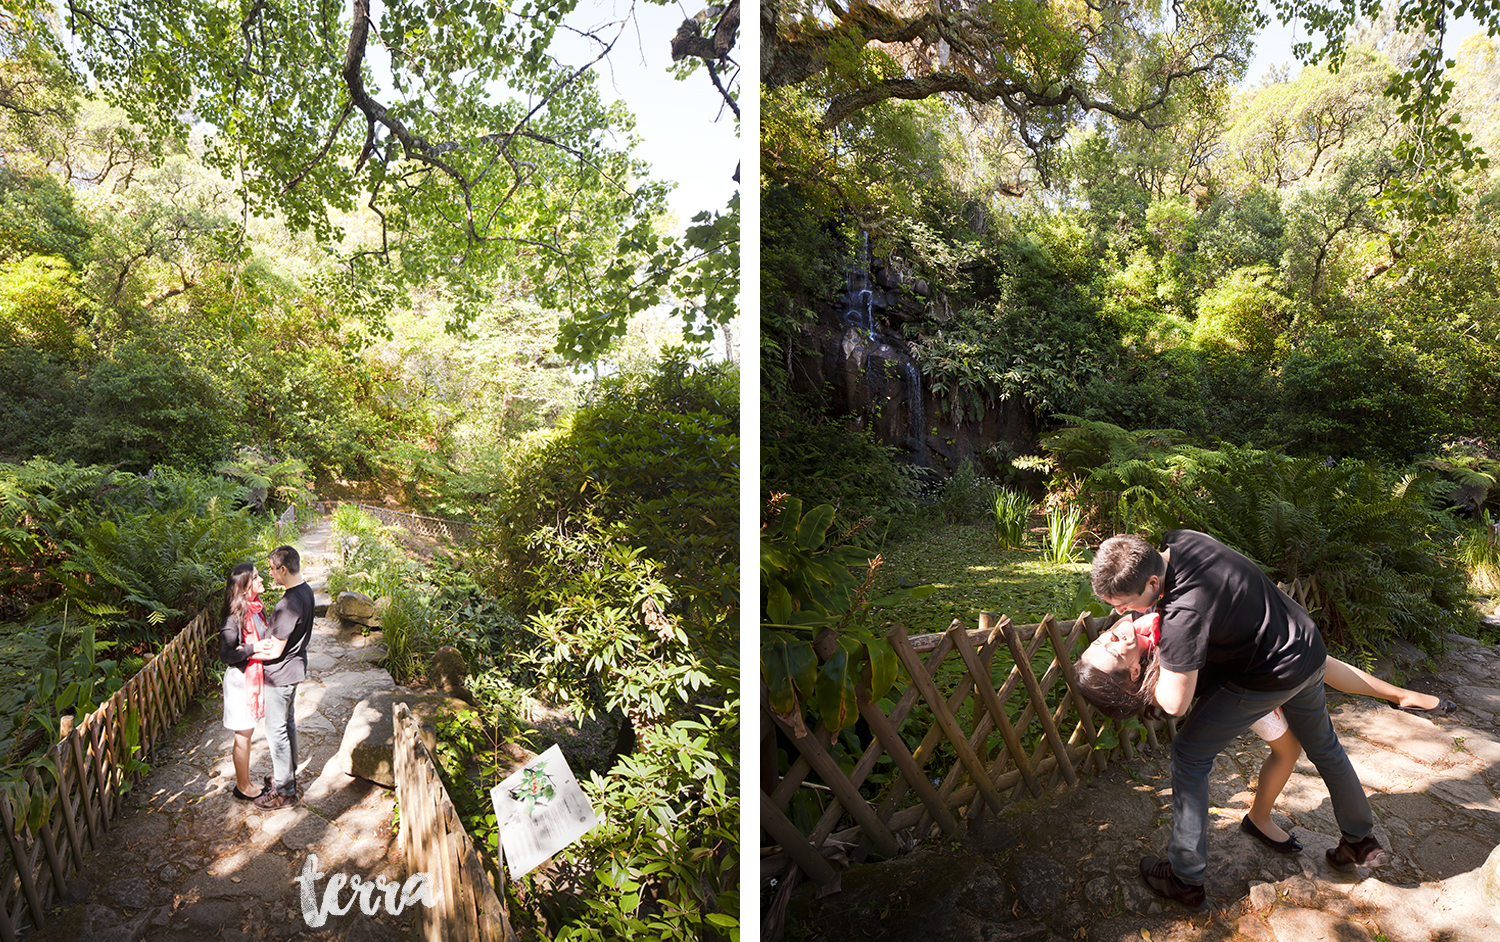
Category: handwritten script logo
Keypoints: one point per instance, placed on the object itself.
(366, 892)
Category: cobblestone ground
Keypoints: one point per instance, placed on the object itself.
(1065, 867)
(185, 861)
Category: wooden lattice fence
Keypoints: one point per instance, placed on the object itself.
(416, 524)
(998, 743)
(434, 842)
(92, 760)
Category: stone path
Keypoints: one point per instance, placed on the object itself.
(1065, 866)
(186, 862)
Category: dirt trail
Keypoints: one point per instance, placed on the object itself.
(186, 862)
(1065, 866)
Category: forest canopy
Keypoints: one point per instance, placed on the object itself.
(420, 144)
(1032, 72)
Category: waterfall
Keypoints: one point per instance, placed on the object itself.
(880, 350)
(860, 299)
(913, 378)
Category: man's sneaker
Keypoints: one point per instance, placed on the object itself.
(273, 800)
(1367, 853)
(296, 789)
(1163, 882)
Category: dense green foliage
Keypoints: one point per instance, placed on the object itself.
(153, 310)
(288, 278)
(1240, 275)
(606, 579)
(1266, 311)
(642, 477)
(99, 567)
(466, 147)
(1374, 552)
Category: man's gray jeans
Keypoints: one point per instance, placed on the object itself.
(281, 736)
(1214, 722)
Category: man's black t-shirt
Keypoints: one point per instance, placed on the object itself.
(1223, 616)
(293, 621)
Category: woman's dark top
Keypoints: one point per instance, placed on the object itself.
(232, 650)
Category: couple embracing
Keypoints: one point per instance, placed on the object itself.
(264, 661)
(1229, 638)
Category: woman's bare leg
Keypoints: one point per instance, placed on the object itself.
(1350, 679)
(242, 761)
(1275, 772)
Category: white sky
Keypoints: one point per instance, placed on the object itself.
(1273, 47)
(687, 132)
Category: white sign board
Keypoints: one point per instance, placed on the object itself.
(539, 810)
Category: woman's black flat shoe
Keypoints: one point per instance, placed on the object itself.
(1443, 708)
(242, 796)
(1289, 846)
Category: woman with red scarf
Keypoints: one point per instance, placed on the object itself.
(244, 678)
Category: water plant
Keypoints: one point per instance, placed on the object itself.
(1012, 512)
(1062, 534)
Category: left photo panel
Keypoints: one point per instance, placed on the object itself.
(370, 452)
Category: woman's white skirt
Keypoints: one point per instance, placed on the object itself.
(237, 714)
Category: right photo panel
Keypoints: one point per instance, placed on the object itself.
(1130, 471)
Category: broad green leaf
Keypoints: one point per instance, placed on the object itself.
(814, 527)
(776, 671)
(884, 667)
(837, 705)
(778, 604)
(802, 664)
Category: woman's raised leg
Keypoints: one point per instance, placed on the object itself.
(1350, 679)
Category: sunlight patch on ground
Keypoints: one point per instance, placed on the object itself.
(971, 574)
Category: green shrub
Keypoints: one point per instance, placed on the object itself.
(40, 400)
(1366, 541)
(1349, 397)
(966, 496)
(663, 863)
(147, 405)
(652, 462)
(822, 462)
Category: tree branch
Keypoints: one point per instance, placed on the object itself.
(713, 74)
(1016, 97)
(690, 43)
(318, 158)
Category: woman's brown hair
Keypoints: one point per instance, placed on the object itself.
(237, 593)
(1115, 694)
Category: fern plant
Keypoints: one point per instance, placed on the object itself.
(1479, 553)
(1365, 542)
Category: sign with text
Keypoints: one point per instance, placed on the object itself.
(539, 810)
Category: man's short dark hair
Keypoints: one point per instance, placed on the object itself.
(1123, 565)
(285, 557)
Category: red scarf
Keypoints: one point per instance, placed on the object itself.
(255, 672)
(1148, 630)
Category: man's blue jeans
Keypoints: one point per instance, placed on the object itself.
(1220, 716)
(281, 736)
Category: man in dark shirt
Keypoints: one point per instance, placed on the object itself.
(284, 655)
(1244, 648)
